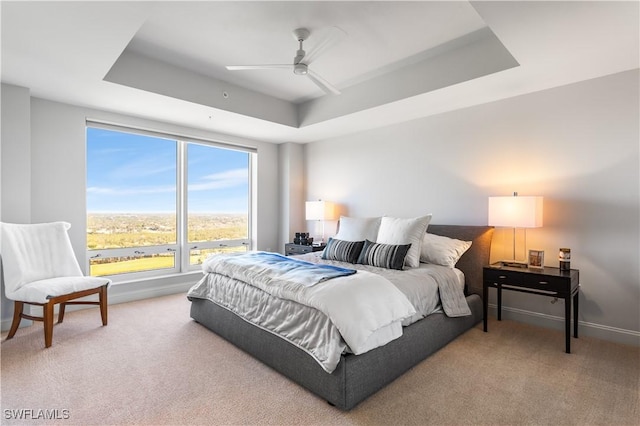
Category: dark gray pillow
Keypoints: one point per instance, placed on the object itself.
(344, 251)
(384, 255)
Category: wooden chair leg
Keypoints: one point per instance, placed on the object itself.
(48, 323)
(103, 304)
(17, 316)
(61, 312)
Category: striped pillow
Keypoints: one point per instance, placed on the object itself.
(344, 251)
(384, 255)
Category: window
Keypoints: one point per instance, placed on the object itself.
(157, 204)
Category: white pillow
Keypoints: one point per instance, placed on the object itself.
(441, 250)
(358, 228)
(394, 230)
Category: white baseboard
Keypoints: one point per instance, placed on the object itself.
(6, 324)
(133, 295)
(604, 332)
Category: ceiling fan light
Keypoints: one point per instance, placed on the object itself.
(300, 69)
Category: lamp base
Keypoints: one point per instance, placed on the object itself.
(514, 263)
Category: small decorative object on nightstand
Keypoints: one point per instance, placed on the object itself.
(551, 282)
(536, 259)
(564, 258)
(293, 249)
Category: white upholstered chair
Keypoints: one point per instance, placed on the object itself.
(40, 268)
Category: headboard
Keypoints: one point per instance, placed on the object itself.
(476, 257)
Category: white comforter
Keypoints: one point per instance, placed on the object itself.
(359, 305)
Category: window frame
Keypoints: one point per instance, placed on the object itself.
(182, 248)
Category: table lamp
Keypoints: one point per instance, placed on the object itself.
(515, 212)
(320, 210)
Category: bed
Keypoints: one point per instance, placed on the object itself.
(358, 376)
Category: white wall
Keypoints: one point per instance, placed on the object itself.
(16, 152)
(15, 165)
(58, 181)
(577, 145)
(291, 185)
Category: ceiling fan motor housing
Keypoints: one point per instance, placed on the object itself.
(300, 54)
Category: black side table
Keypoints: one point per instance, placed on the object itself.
(549, 281)
(292, 249)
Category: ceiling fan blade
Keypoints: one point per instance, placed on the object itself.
(328, 37)
(322, 83)
(258, 67)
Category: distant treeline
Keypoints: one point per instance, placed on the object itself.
(120, 230)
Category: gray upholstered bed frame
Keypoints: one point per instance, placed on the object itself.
(359, 376)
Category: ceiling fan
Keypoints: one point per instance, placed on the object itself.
(299, 67)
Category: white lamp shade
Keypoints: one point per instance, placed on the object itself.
(319, 210)
(515, 212)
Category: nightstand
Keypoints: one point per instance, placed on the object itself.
(551, 282)
(293, 249)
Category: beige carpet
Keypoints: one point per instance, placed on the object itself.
(154, 365)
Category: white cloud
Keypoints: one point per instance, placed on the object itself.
(226, 179)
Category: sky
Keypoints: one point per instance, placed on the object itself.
(130, 173)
